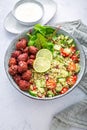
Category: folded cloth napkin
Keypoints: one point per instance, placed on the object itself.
(75, 115)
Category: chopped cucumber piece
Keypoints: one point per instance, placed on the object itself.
(63, 74)
(33, 93)
(40, 83)
(59, 87)
(57, 47)
(66, 37)
(70, 73)
(43, 83)
(62, 37)
(77, 68)
(50, 93)
(61, 80)
(60, 58)
(54, 37)
(70, 41)
(77, 52)
(54, 54)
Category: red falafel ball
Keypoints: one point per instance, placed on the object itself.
(22, 66)
(30, 62)
(26, 50)
(16, 53)
(27, 75)
(21, 44)
(33, 50)
(17, 78)
(24, 85)
(23, 57)
(32, 56)
(13, 70)
(12, 61)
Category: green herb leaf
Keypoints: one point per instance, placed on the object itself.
(40, 41)
(39, 37)
(32, 40)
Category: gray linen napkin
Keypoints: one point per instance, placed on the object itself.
(75, 115)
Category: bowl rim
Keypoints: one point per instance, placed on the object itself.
(82, 53)
(27, 1)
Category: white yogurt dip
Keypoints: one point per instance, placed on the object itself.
(28, 12)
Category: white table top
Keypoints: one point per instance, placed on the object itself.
(18, 112)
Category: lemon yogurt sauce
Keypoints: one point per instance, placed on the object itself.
(28, 12)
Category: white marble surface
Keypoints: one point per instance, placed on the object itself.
(18, 112)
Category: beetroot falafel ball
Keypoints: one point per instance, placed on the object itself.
(13, 70)
(32, 56)
(17, 78)
(21, 45)
(30, 62)
(33, 50)
(27, 75)
(16, 53)
(26, 50)
(22, 66)
(24, 85)
(12, 61)
(23, 57)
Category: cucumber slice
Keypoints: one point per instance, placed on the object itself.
(54, 54)
(66, 37)
(50, 93)
(77, 67)
(63, 74)
(61, 80)
(59, 88)
(40, 83)
(61, 36)
(33, 93)
(70, 41)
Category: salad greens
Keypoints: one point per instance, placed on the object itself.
(40, 37)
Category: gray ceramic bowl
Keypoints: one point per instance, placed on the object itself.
(28, 23)
(12, 47)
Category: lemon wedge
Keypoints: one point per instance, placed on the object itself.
(41, 64)
(44, 53)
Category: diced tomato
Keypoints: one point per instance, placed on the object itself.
(51, 84)
(73, 49)
(34, 87)
(71, 80)
(64, 90)
(75, 58)
(65, 52)
(72, 66)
